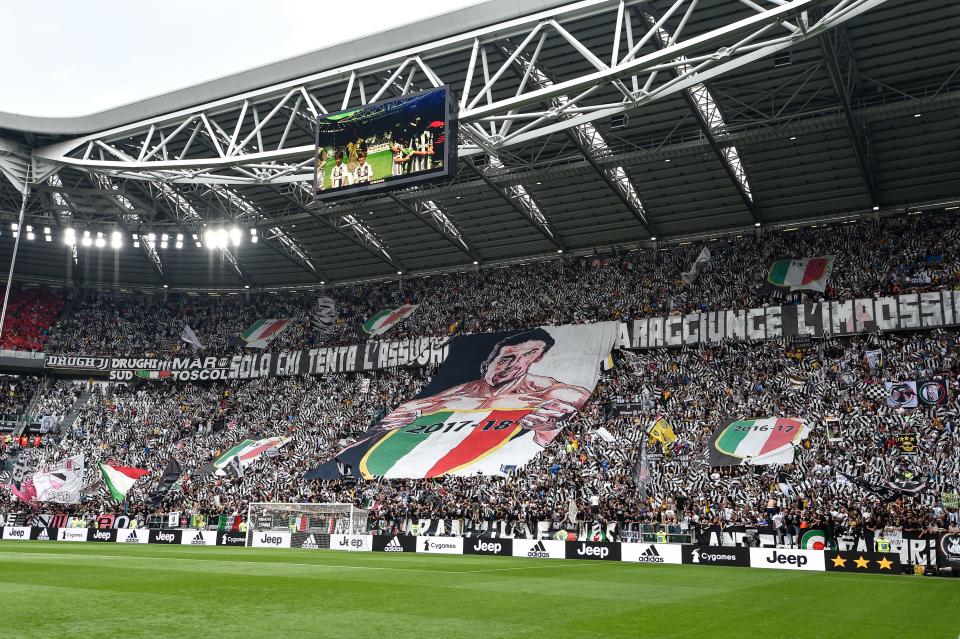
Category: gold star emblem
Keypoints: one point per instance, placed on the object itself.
(839, 562)
(861, 562)
(885, 564)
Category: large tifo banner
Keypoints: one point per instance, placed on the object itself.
(495, 403)
(316, 361)
(866, 315)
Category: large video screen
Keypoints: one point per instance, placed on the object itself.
(386, 145)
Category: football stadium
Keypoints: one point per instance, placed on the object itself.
(596, 318)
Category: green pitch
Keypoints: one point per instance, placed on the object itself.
(381, 162)
(106, 590)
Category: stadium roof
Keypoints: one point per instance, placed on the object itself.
(727, 115)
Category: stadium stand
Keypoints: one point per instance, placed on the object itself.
(582, 477)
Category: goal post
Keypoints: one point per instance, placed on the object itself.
(309, 525)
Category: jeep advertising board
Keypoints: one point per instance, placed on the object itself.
(271, 539)
(596, 550)
(159, 536)
(101, 535)
(440, 545)
(716, 555)
(352, 543)
(16, 533)
(787, 559)
(651, 553)
(486, 546)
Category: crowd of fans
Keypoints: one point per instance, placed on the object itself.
(887, 256)
(30, 314)
(603, 466)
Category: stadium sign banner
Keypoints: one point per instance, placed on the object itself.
(716, 555)
(198, 538)
(229, 538)
(72, 534)
(651, 553)
(42, 533)
(164, 536)
(496, 402)
(371, 356)
(440, 545)
(787, 559)
(848, 317)
(102, 535)
(133, 536)
(271, 539)
(540, 548)
(948, 551)
(394, 543)
(849, 561)
(501, 547)
(595, 550)
(16, 533)
(351, 543)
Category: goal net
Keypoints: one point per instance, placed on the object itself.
(309, 525)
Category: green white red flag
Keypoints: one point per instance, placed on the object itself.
(810, 273)
(261, 332)
(120, 479)
(387, 319)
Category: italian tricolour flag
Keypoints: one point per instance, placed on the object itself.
(768, 439)
(806, 273)
(441, 443)
(120, 479)
(145, 374)
(387, 318)
(262, 331)
(249, 451)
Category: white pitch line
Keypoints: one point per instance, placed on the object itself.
(29, 555)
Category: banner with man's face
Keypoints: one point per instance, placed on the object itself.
(495, 403)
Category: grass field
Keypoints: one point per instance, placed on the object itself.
(106, 590)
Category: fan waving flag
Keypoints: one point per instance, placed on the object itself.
(120, 479)
(260, 334)
(247, 452)
(810, 273)
(387, 319)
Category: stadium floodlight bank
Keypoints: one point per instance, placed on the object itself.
(318, 521)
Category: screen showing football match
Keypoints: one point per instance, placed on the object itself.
(384, 145)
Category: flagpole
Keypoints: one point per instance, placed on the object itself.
(16, 246)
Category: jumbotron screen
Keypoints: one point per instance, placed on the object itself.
(386, 145)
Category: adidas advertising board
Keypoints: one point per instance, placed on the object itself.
(231, 538)
(310, 543)
(651, 553)
(164, 536)
(482, 546)
(132, 536)
(539, 549)
(71, 534)
(198, 538)
(716, 555)
(596, 550)
(787, 559)
(94, 534)
(17, 533)
(440, 545)
(271, 539)
(394, 543)
(351, 543)
(38, 533)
